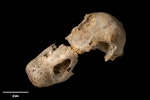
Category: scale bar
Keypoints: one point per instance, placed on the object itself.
(15, 92)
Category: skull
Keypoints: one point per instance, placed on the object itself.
(53, 65)
(98, 31)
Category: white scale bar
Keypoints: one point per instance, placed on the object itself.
(15, 92)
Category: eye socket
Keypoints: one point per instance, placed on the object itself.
(103, 46)
(60, 68)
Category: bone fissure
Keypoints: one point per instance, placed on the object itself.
(98, 30)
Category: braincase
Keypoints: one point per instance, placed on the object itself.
(38, 73)
(98, 30)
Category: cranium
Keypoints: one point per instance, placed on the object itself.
(98, 31)
(52, 66)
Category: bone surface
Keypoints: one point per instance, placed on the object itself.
(53, 65)
(98, 31)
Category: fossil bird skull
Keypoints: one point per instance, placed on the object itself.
(98, 31)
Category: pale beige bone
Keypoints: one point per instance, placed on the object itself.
(98, 31)
(53, 65)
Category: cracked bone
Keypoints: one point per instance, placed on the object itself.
(98, 31)
(53, 65)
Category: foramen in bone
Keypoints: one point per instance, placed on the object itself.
(98, 30)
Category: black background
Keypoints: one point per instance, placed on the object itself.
(30, 27)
